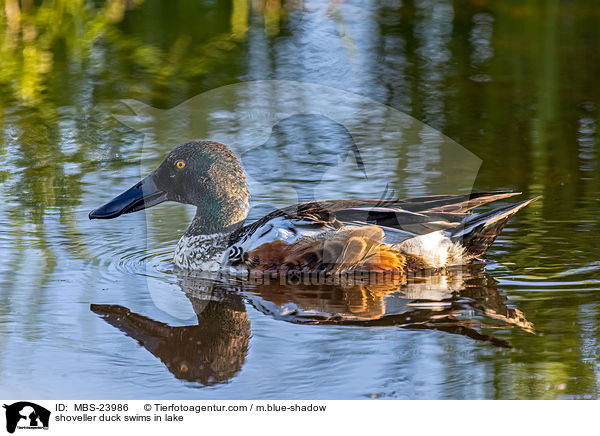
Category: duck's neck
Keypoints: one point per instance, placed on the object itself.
(214, 220)
(206, 239)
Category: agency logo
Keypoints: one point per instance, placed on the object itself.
(26, 415)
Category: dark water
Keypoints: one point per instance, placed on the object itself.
(514, 83)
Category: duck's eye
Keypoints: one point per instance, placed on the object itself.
(180, 164)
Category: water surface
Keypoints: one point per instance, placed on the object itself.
(95, 310)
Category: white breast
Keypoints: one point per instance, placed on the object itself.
(201, 252)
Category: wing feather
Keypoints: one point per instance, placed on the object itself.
(341, 235)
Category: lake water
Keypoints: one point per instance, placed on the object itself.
(94, 309)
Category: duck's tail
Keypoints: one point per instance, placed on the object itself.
(477, 231)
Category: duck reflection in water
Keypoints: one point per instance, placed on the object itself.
(461, 300)
(211, 352)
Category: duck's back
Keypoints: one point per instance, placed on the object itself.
(341, 236)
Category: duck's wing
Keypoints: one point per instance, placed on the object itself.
(400, 220)
(283, 226)
(452, 203)
(415, 220)
(408, 217)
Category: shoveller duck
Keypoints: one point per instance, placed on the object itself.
(332, 237)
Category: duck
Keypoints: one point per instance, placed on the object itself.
(330, 238)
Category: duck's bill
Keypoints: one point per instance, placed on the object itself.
(142, 195)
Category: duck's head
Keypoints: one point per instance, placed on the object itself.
(203, 173)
